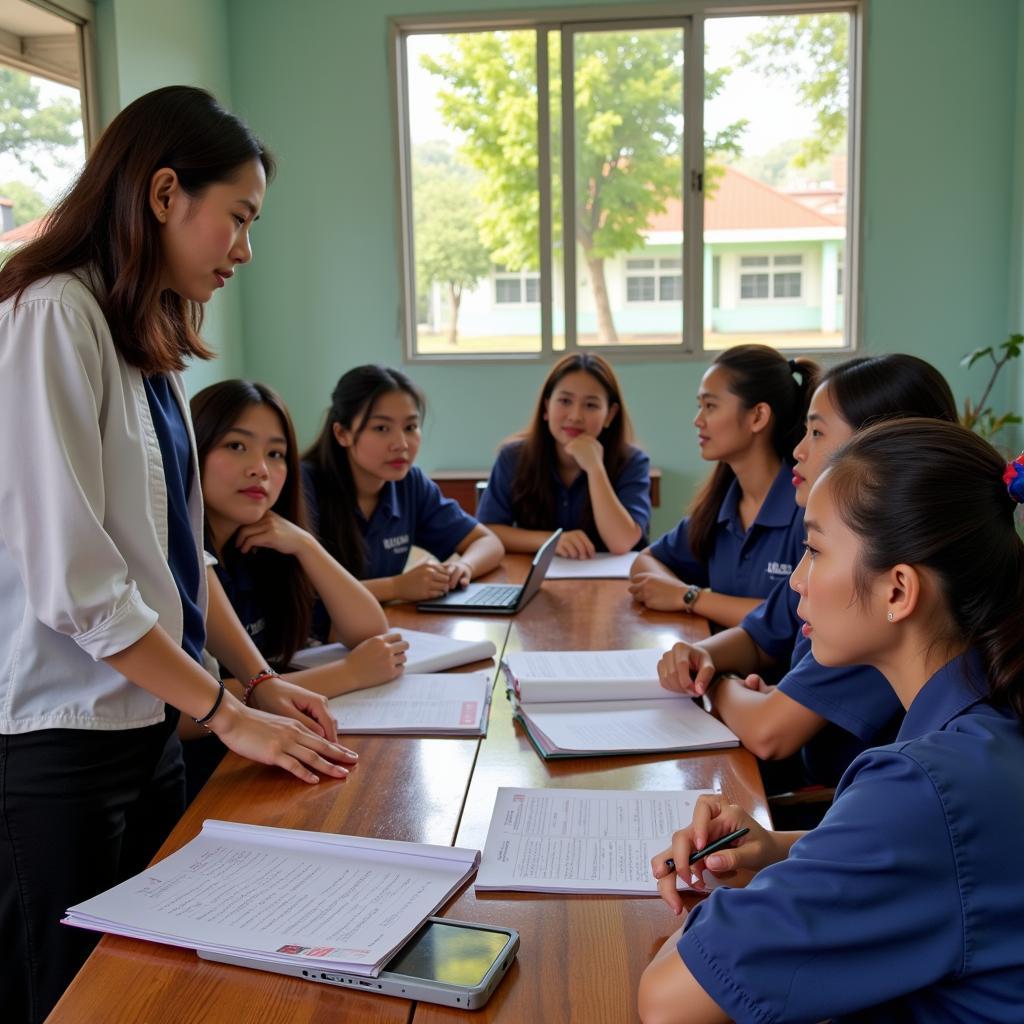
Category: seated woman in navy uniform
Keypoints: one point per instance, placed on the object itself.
(905, 902)
(369, 504)
(744, 531)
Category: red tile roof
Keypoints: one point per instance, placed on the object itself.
(24, 232)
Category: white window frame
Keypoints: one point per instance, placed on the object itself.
(523, 277)
(656, 272)
(690, 15)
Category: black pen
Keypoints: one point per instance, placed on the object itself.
(718, 844)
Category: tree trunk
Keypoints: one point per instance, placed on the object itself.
(606, 333)
(454, 298)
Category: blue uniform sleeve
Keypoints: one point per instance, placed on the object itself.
(633, 489)
(440, 522)
(866, 908)
(857, 698)
(495, 504)
(673, 551)
(773, 625)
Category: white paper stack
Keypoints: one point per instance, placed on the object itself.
(286, 896)
(453, 704)
(601, 567)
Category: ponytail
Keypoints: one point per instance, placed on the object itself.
(755, 373)
(932, 494)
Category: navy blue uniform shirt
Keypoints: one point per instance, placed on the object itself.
(632, 487)
(410, 511)
(905, 903)
(743, 563)
(182, 557)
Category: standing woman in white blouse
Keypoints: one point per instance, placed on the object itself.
(102, 587)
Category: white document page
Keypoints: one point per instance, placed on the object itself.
(624, 726)
(602, 566)
(453, 704)
(586, 675)
(580, 840)
(427, 652)
(292, 897)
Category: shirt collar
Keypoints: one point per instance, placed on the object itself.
(388, 506)
(951, 691)
(777, 507)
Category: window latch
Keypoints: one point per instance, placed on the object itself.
(696, 181)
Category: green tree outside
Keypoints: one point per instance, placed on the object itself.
(28, 202)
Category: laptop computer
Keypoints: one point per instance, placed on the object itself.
(498, 598)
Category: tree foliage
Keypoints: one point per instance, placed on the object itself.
(28, 203)
(27, 126)
(446, 213)
(628, 146)
(813, 52)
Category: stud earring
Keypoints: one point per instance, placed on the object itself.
(889, 616)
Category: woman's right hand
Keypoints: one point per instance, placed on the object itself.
(686, 668)
(575, 544)
(422, 583)
(377, 660)
(714, 817)
(285, 742)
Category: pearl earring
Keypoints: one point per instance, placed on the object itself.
(889, 616)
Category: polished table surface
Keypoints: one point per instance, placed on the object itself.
(581, 956)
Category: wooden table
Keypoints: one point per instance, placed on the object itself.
(581, 956)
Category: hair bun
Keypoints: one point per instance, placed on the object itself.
(1013, 477)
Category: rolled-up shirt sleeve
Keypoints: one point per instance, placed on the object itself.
(53, 500)
(633, 489)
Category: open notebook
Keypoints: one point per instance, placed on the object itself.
(428, 652)
(299, 898)
(452, 704)
(589, 703)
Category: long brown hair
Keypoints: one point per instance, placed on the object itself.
(533, 498)
(352, 403)
(755, 373)
(290, 595)
(929, 493)
(104, 222)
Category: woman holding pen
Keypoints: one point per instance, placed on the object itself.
(905, 903)
(101, 568)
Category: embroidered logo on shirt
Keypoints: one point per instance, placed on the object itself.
(779, 569)
(396, 543)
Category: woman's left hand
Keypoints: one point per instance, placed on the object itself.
(587, 451)
(280, 697)
(459, 572)
(271, 531)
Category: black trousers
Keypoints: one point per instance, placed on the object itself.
(80, 811)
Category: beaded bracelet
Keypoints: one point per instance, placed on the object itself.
(216, 706)
(250, 686)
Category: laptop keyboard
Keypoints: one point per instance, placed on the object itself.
(496, 594)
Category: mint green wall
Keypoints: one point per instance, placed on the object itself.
(144, 44)
(1017, 214)
(942, 102)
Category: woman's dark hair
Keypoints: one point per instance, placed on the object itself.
(533, 498)
(891, 386)
(215, 410)
(104, 223)
(932, 494)
(755, 373)
(352, 404)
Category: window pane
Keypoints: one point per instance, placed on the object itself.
(639, 264)
(533, 289)
(472, 102)
(628, 107)
(775, 120)
(670, 264)
(670, 288)
(507, 289)
(754, 286)
(639, 289)
(787, 286)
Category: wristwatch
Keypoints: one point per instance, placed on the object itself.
(691, 595)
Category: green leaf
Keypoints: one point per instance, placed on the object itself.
(972, 357)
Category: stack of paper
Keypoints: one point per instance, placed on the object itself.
(423, 705)
(299, 898)
(428, 652)
(580, 840)
(601, 567)
(588, 703)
